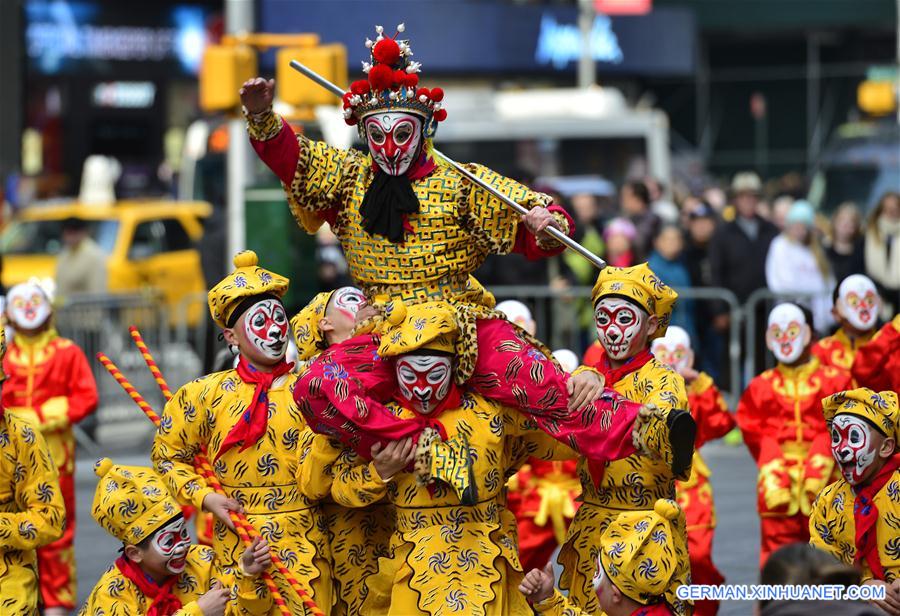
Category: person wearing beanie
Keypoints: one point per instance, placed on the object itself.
(780, 417)
(857, 518)
(358, 535)
(50, 383)
(454, 547)
(695, 496)
(246, 422)
(856, 308)
(160, 573)
(796, 263)
(33, 511)
(632, 307)
(636, 569)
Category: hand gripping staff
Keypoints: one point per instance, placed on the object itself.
(242, 526)
(558, 235)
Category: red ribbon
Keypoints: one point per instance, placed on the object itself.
(164, 602)
(613, 376)
(865, 516)
(252, 423)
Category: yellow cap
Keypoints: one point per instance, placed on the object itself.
(247, 280)
(880, 409)
(308, 337)
(131, 502)
(430, 325)
(640, 285)
(638, 553)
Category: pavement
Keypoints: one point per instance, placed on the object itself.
(735, 548)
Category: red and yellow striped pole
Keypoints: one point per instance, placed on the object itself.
(151, 363)
(237, 519)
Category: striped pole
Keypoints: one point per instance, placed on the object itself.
(151, 363)
(241, 524)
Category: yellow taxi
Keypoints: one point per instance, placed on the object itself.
(149, 244)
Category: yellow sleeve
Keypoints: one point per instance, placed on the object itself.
(40, 515)
(821, 529)
(557, 605)
(113, 594)
(250, 595)
(665, 389)
(178, 437)
(492, 223)
(315, 470)
(356, 482)
(191, 609)
(56, 414)
(887, 531)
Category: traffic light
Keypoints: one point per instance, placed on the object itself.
(224, 69)
(877, 97)
(330, 61)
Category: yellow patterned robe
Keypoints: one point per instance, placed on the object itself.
(631, 484)
(359, 535)
(447, 558)
(262, 478)
(457, 226)
(116, 595)
(832, 527)
(31, 512)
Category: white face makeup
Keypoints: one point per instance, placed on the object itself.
(854, 445)
(394, 138)
(788, 333)
(859, 302)
(424, 380)
(172, 542)
(674, 349)
(266, 328)
(348, 300)
(619, 326)
(27, 306)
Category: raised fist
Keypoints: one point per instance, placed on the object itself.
(257, 94)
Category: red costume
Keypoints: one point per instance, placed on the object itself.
(839, 350)
(542, 497)
(780, 416)
(695, 495)
(50, 382)
(877, 363)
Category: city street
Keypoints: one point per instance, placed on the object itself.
(736, 544)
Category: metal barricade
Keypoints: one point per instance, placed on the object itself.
(759, 303)
(557, 311)
(100, 323)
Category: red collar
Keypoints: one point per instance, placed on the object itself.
(633, 364)
(164, 603)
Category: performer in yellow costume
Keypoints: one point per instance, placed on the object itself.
(446, 557)
(159, 572)
(631, 308)
(637, 567)
(358, 535)
(414, 230)
(49, 382)
(857, 518)
(32, 513)
(246, 421)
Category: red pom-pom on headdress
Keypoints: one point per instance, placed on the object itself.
(411, 80)
(386, 51)
(440, 115)
(381, 76)
(360, 87)
(423, 92)
(437, 94)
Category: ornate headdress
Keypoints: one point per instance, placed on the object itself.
(227, 299)
(392, 85)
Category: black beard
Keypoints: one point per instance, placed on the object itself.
(387, 200)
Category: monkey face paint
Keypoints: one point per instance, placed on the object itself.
(788, 333)
(859, 302)
(348, 300)
(394, 139)
(674, 349)
(854, 445)
(27, 306)
(171, 542)
(424, 380)
(621, 327)
(266, 328)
